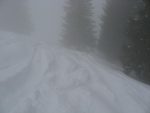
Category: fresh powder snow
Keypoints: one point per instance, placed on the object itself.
(38, 75)
(38, 78)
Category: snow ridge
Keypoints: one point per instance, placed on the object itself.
(58, 80)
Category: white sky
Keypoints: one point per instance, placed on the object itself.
(43, 17)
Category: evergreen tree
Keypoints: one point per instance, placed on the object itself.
(136, 56)
(78, 32)
(115, 20)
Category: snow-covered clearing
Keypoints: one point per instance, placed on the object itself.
(36, 78)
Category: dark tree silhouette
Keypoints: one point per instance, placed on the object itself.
(78, 27)
(115, 20)
(136, 57)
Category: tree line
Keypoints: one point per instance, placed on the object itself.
(124, 36)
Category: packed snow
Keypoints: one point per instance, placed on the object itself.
(38, 75)
(38, 78)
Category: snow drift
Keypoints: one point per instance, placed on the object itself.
(37, 78)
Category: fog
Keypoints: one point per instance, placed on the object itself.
(43, 21)
(40, 78)
(32, 17)
(39, 18)
(14, 16)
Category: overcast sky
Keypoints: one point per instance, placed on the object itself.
(44, 18)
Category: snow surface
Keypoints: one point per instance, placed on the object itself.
(37, 78)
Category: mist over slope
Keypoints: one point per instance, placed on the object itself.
(56, 79)
(40, 76)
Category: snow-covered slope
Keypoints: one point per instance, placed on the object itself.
(42, 79)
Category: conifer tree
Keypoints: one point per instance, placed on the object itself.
(136, 56)
(78, 26)
(115, 20)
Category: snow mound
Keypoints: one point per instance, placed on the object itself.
(57, 80)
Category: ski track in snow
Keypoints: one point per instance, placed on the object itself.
(58, 80)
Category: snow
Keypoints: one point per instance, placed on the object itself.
(38, 78)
